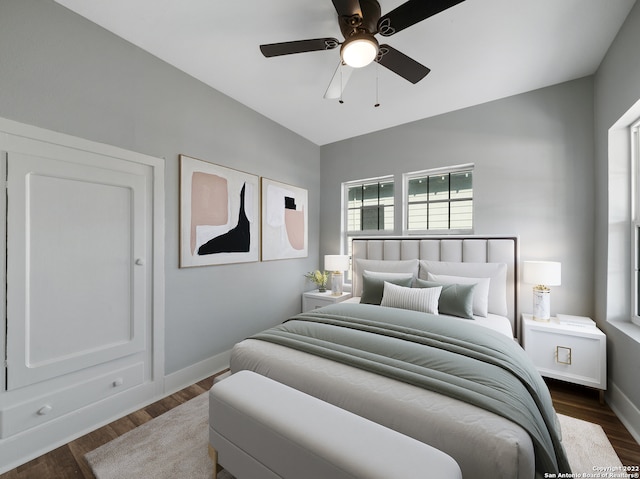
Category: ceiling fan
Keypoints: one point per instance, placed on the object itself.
(360, 21)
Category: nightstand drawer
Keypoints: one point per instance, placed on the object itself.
(315, 299)
(572, 357)
(313, 303)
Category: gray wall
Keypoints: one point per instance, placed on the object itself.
(61, 72)
(533, 177)
(617, 89)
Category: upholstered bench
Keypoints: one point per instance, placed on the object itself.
(259, 428)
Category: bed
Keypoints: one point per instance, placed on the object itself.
(485, 443)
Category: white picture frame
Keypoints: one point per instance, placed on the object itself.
(285, 221)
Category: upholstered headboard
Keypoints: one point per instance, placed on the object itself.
(464, 249)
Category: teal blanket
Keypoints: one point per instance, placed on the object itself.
(450, 357)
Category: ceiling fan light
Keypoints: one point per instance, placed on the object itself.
(359, 50)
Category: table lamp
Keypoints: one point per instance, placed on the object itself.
(336, 263)
(542, 274)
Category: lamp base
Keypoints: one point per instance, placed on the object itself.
(336, 284)
(541, 305)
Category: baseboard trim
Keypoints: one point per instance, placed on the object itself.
(625, 409)
(196, 372)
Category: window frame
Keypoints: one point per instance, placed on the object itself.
(634, 136)
(345, 207)
(348, 236)
(406, 177)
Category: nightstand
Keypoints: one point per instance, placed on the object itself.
(566, 351)
(316, 299)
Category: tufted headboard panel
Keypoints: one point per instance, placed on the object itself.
(465, 249)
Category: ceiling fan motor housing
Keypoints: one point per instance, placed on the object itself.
(365, 21)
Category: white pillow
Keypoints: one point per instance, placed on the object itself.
(381, 266)
(497, 272)
(383, 274)
(415, 299)
(480, 293)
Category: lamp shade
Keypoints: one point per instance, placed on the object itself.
(359, 50)
(547, 273)
(336, 262)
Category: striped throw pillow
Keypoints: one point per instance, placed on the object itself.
(416, 299)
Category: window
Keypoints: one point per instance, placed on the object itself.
(635, 217)
(368, 209)
(369, 206)
(437, 200)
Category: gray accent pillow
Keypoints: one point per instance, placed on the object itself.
(480, 294)
(373, 285)
(455, 299)
(381, 266)
(497, 272)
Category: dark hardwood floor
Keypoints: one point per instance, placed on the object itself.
(584, 403)
(68, 462)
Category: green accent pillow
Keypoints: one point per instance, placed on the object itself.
(455, 299)
(373, 285)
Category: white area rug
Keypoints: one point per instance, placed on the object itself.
(587, 446)
(174, 446)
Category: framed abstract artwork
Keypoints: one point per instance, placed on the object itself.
(219, 214)
(285, 221)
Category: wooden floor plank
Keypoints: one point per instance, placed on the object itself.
(67, 462)
(62, 464)
(140, 417)
(35, 470)
(160, 407)
(79, 449)
(124, 425)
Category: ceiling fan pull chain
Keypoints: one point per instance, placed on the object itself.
(377, 92)
(341, 85)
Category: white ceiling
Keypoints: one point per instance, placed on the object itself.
(478, 51)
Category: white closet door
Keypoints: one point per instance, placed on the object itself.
(76, 264)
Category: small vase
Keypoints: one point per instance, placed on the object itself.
(322, 289)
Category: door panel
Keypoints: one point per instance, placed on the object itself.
(76, 282)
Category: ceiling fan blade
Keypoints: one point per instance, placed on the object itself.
(399, 63)
(338, 82)
(299, 46)
(347, 8)
(410, 13)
